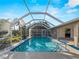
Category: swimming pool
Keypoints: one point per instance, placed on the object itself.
(38, 44)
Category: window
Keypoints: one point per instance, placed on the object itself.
(68, 33)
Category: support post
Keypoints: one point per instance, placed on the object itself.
(30, 33)
(76, 35)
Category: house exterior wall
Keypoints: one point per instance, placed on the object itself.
(54, 33)
(59, 32)
(4, 26)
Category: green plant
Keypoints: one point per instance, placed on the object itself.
(15, 39)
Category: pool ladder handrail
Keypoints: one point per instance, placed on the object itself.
(61, 45)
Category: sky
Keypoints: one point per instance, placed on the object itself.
(64, 10)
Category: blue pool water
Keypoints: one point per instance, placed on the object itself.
(38, 44)
(74, 47)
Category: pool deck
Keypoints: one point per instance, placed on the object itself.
(38, 55)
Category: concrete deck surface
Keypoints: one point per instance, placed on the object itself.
(38, 55)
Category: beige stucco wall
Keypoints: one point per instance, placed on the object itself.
(61, 29)
(54, 33)
(5, 26)
(59, 32)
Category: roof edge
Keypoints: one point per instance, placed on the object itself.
(68, 22)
